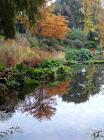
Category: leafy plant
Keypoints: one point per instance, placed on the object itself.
(63, 72)
(71, 54)
(76, 34)
(44, 74)
(84, 55)
(78, 44)
(50, 64)
(90, 44)
(2, 67)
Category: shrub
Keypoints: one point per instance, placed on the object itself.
(41, 74)
(2, 67)
(90, 44)
(78, 44)
(68, 42)
(34, 42)
(71, 54)
(83, 55)
(50, 64)
(93, 36)
(63, 73)
(76, 34)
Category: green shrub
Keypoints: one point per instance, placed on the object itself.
(78, 44)
(41, 74)
(63, 73)
(90, 44)
(19, 67)
(76, 34)
(68, 42)
(52, 44)
(71, 54)
(84, 55)
(2, 67)
(34, 42)
(50, 64)
(93, 36)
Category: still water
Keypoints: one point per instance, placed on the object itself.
(69, 110)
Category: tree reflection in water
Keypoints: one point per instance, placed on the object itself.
(39, 104)
(8, 104)
(97, 135)
(85, 85)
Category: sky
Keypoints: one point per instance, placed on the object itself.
(51, 2)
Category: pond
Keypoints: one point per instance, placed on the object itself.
(68, 110)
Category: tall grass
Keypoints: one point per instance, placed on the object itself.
(12, 53)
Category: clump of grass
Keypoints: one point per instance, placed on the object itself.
(15, 52)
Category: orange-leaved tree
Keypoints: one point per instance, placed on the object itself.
(52, 26)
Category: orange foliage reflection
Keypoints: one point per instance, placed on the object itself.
(59, 89)
(40, 105)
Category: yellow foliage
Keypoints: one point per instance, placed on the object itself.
(88, 23)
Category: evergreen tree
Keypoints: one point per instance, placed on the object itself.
(72, 10)
(10, 8)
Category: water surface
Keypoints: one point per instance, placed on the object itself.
(69, 110)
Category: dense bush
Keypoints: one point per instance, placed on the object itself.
(50, 64)
(93, 36)
(78, 44)
(63, 73)
(24, 75)
(71, 53)
(83, 55)
(90, 44)
(35, 73)
(34, 42)
(76, 34)
(44, 74)
(2, 67)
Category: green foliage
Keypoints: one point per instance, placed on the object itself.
(44, 74)
(7, 18)
(93, 36)
(78, 54)
(23, 75)
(34, 42)
(90, 44)
(72, 10)
(71, 53)
(63, 73)
(19, 68)
(50, 64)
(78, 44)
(76, 34)
(2, 67)
(84, 55)
(10, 8)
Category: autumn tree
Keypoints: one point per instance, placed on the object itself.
(88, 13)
(94, 18)
(52, 26)
(100, 27)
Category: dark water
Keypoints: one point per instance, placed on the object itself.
(70, 110)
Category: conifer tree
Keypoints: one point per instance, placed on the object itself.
(10, 8)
